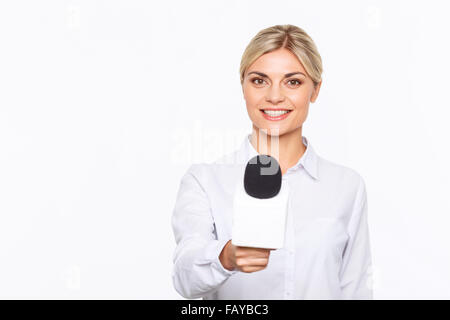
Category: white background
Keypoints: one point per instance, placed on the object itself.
(105, 104)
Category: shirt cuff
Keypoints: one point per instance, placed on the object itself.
(216, 264)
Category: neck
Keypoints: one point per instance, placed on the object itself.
(287, 148)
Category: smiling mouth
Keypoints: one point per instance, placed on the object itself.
(275, 114)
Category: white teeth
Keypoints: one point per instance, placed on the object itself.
(275, 113)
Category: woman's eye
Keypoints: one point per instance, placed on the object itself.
(294, 82)
(257, 79)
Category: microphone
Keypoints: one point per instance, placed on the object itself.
(260, 205)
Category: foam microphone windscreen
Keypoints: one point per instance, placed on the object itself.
(262, 177)
(260, 205)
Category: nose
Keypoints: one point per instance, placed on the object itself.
(274, 95)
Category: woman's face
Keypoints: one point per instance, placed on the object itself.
(277, 80)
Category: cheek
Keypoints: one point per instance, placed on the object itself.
(252, 97)
(300, 98)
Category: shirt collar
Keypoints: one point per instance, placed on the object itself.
(309, 159)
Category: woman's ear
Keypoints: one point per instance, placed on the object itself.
(316, 91)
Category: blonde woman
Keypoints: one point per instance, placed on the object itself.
(327, 251)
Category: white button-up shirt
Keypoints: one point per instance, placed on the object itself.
(327, 251)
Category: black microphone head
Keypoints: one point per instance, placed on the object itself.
(262, 177)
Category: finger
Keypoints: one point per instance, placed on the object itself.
(255, 249)
(258, 262)
(249, 269)
(255, 252)
(252, 262)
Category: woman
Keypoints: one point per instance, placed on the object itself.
(327, 252)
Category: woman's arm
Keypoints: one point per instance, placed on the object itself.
(355, 275)
(197, 269)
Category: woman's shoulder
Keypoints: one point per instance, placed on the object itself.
(220, 171)
(339, 173)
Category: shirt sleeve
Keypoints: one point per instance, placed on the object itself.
(355, 274)
(197, 269)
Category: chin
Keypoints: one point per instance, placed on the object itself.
(273, 131)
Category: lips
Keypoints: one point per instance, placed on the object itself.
(275, 117)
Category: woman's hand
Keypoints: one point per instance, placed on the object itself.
(245, 259)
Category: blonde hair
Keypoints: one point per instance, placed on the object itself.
(286, 36)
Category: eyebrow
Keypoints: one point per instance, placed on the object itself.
(286, 75)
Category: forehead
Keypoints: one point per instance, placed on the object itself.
(280, 61)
